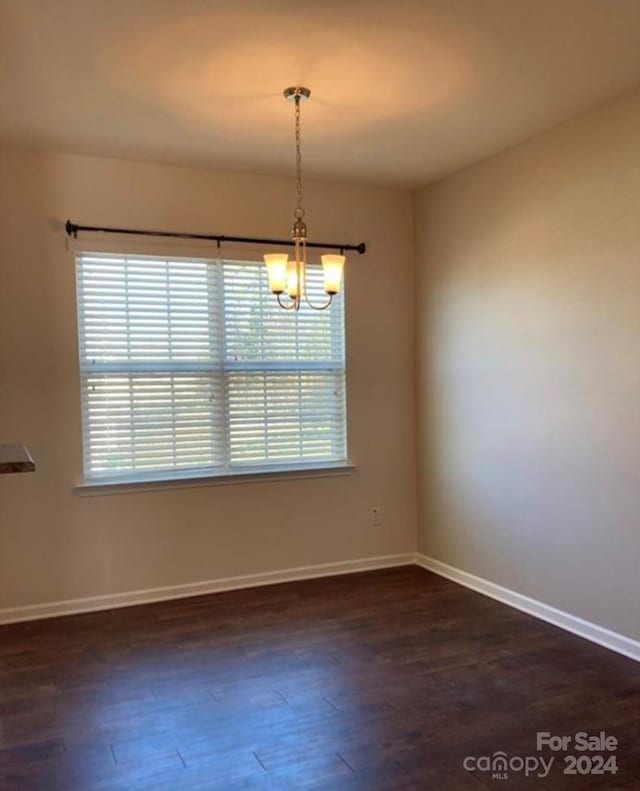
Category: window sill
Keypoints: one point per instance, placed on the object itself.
(156, 481)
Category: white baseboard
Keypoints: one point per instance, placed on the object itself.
(127, 599)
(571, 623)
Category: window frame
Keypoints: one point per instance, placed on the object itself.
(132, 480)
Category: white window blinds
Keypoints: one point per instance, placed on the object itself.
(190, 366)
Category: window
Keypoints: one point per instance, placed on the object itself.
(189, 367)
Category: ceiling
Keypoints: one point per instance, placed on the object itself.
(402, 91)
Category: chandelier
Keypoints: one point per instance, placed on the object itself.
(286, 275)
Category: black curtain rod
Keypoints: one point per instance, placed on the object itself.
(73, 228)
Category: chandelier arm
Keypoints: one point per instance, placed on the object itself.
(318, 307)
(302, 270)
(290, 306)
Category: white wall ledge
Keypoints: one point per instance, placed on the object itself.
(151, 482)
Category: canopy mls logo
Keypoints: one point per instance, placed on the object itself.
(500, 765)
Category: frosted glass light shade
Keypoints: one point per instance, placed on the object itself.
(332, 266)
(293, 281)
(277, 271)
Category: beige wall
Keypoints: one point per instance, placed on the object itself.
(55, 544)
(529, 367)
(528, 317)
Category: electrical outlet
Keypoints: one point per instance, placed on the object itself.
(375, 515)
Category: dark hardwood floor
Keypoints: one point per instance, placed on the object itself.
(381, 680)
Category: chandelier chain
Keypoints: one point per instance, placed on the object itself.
(299, 209)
